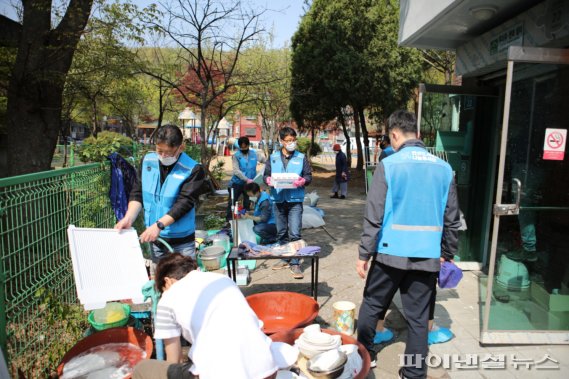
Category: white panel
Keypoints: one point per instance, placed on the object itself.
(107, 265)
(415, 15)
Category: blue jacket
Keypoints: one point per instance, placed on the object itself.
(418, 185)
(158, 199)
(264, 197)
(123, 177)
(247, 165)
(295, 166)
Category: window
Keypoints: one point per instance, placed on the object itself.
(250, 132)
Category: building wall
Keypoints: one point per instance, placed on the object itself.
(545, 25)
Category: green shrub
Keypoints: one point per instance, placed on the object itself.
(303, 144)
(194, 151)
(97, 149)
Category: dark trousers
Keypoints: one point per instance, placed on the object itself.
(416, 289)
(288, 218)
(238, 190)
(431, 305)
(267, 232)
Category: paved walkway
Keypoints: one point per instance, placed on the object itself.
(458, 308)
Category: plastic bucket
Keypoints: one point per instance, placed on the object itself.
(211, 257)
(344, 316)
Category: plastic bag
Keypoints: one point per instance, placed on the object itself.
(112, 312)
(311, 218)
(246, 233)
(312, 198)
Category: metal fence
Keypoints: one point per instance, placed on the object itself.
(36, 275)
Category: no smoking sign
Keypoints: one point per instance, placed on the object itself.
(554, 144)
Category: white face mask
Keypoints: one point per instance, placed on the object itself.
(253, 198)
(336, 151)
(291, 146)
(168, 161)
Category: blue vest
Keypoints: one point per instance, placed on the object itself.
(389, 150)
(247, 165)
(295, 166)
(158, 200)
(264, 196)
(417, 192)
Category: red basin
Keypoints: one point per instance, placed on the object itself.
(290, 336)
(281, 310)
(114, 335)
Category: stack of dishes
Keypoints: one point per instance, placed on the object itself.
(314, 342)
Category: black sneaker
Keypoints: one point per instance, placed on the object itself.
(334, 196)
(342, 197)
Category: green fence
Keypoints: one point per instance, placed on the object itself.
(37, 289)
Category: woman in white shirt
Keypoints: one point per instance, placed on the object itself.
(210, 312)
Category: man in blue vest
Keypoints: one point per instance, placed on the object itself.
(411, 222)
(168, 189)
(263, 216)
(244, 171)
(288, 202)
(386, 148)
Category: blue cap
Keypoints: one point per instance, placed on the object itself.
(450, 275)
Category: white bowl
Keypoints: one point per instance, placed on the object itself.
(310, 350)
(312, 328)
(284, 355)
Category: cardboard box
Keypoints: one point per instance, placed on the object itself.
(551, 302)
(284, 180)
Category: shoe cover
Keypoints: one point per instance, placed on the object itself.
(384, 336)
(439, 335)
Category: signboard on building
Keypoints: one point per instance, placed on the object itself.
(539, 26)
(554, 144)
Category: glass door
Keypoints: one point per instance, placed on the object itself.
(527, 292)
(458, 125)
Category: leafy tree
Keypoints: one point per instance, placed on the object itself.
(100, 79)
(345, 53)
(98, 148)
(270, 96)
(37, 78)
(211, 35)
(162, 67)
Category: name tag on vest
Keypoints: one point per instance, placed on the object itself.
(178, 176)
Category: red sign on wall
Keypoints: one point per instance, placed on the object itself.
(554, 144)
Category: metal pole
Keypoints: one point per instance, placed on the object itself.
(3, 323)
(499, 187)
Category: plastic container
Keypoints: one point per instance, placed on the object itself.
(344, 316)
(114, 335)
(211, 257)
(281, 310)
(220, 240)
(112, 316)
(512, 275)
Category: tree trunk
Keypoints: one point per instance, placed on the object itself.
(309, 150)
(35, 91)
(364, 132)
(347, 137)
(360, 164)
